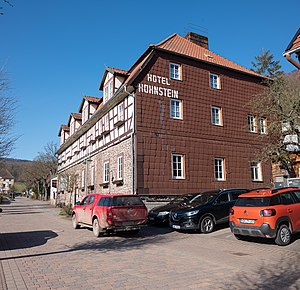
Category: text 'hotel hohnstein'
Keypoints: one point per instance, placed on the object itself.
(177, 122)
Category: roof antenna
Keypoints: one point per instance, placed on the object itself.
(195, 28)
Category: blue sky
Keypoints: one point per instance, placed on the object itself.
(55, 51)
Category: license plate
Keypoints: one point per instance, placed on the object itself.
(176, 227)
(151, 218)
(245, 221)
(128, 223)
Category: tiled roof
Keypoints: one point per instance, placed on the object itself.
(178, 44)
(295, 42)
(93, 99)
(118, 71)
(5, 174)
(65, 128)
(76, 116)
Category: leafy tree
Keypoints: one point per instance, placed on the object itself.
(7, 116)
(265, 65)
(280, 104)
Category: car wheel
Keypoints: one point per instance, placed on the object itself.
(74, 221)
(96, 228)
(207, 225)
(283, 236)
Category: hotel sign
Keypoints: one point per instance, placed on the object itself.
(159, 87)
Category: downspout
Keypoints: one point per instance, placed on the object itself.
(292, 61)
(132, 140)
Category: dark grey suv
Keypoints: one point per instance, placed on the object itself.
(205, 210)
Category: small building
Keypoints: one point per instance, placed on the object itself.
(292, 52)
(177, 122)
(6, 181)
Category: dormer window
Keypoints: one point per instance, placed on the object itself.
(85, 114)
(108, 91)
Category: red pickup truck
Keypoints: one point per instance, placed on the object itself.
(110, 212)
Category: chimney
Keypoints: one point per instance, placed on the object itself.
(197, 39)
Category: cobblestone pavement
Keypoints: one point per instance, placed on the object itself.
(40, 250)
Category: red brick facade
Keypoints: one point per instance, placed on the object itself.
(158, 135)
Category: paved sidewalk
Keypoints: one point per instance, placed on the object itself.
(40, 250)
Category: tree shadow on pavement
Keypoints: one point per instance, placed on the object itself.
(106, 243)
(22, 240)
(282, 275)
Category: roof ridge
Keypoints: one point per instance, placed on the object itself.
(198, 47)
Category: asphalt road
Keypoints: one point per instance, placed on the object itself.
(40, 250)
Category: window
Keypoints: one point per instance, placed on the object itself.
(110, 94)
(251, 123)
(219, 168)
(92, 175)
(120, 168)
(177, 166)
(216, 116)
(121, 111)
(256, 171)
(214, 81)
(175, 72)
(82, 179)
(286, 198)
(176, 109)
(262, 126)
(106, 123)
(105, 94)
(223, 198)
(91, 200)
(106, 172)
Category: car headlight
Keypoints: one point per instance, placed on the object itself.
(190, 213)
(162, 213)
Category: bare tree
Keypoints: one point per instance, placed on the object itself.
(40, 171)
(280, 104)
(1, 7)
(7, 116)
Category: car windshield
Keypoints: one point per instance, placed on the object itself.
(204, 197)
(126, 200)
(257, 201)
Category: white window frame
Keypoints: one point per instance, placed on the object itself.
(175, 71)
(120, 166)
(252, 124)
(121, 112)
(262, 125)
(93, 175)
(214, 81)
(178, 166)
(216, 116)
(219, 169)
(106, 172)
(82, 179)
(106, 122)
(256, 171)
(176, 109)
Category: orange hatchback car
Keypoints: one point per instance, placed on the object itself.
(267, 213)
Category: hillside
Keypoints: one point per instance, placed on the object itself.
(16, 167)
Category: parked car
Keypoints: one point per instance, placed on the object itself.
(205, 211)
(269, 213)
(113, 212)
(160, 214)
